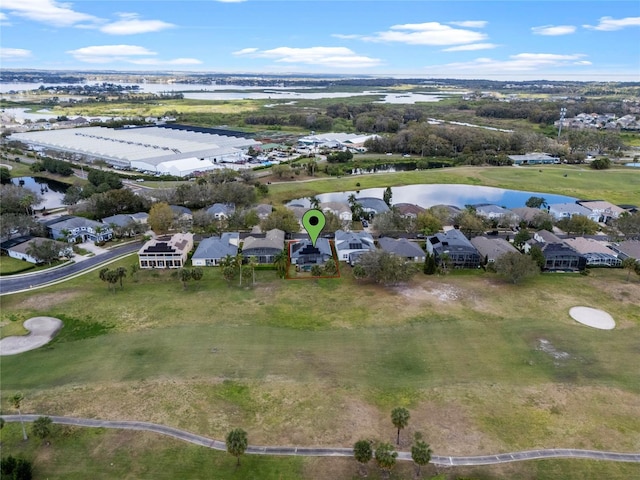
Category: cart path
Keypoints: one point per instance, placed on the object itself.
(335, 452)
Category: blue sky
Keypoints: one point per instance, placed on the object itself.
(517, 40)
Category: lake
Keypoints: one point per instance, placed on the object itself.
(51, 191)
(448, 194)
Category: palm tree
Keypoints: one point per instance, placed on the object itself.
(400, 418)
(122, 272)
(253, 263)
(237, 443)
(363, 452)
(280, 261)
(420, 452)
(314, 202)
(386, 458)
(238, 261)
(16, 401)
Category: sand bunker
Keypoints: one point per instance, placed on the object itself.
(592, 317)
(41, 331)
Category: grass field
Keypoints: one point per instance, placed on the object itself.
(322, 363)
(617, 185)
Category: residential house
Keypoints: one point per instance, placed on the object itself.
(350, 245)
(496, 213)
(455, 247)
(339, 209)
(409, 210)
(181, 213)
(221, 211)
(602, 211)
(167, 251)
(402, 247)
(19, 247)
(212, 250)
(490, 249)
(125, 223)
(304, 254)
(534, 159)
(372, 206)
(263, 210)
(595, 252)
(627, 249)
(264, 248)
(568, 210)
(558, 255)
(528, 214)
(78, 229)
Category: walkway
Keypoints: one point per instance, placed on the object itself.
(335, 452)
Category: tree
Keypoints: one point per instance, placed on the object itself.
(536, 202)
(536, 254)
(516, 266)
(420, 452)
(160, 218)
(41, 427)
(330, 267)
(46, 251)
(630, 265)
(430, 266)
(314, 202)
(239, 259)
(316, 271)
(400, 419)
(5, 176)
(237, 443)
(121, 272)
(521, 238)
(629, 225)
(428, 223)
(363, 453)
(197, 273)
(280, 261)
(384, 267)
(385, 457)
(470, 224)
(229, 273)
(578, 224)
(600, 164)
(253, 263)
(281, 170)
(185, 275)
(16, 402)
(386, 196)
(15, 469)
(282, 219)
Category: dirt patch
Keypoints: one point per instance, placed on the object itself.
(44, 301)
(440, 292)
(547, 347)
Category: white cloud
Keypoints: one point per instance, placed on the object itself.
(522, 62)
(336, 57)
(430, 33)
(109, 53)
(4, 20)
(130, 24)
(553, 30)
(9, 54)
(609, 24)
(49, 12)
(471, 23)
(471, 47)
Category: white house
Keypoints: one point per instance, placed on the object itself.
(350, 245)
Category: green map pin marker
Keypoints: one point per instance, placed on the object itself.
(313, 222)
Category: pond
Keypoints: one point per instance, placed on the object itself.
(632, 164)
(445, 194)
(51, 191)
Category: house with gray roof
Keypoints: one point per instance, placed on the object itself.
(454, 246)
(181, 213)
(20, 248)
(490, 249)
(597, 253)
(78, 229)
(350, 245)
(263, 210)
(495, 212)
(340, 209)
(568, 210)
(221, 211)
(212, 250)
(627, 249)
(604, 211)
(304, 254)
(123, 219)
(372, 206)
(534, 159)
(409, 210)
(264, 248)
(402, 247)
(559, 256)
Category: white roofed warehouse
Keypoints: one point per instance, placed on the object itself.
(174, 150)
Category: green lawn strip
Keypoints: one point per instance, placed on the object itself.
(80, 453)
(618, 185)
(11, 266)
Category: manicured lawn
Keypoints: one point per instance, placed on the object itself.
(10, 266)
(322, 362)
(618, 185)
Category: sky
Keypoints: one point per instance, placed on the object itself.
(499, 40)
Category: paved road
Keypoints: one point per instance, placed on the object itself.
(16, 283)
(336, 452)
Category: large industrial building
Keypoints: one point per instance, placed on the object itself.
(162, 149)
